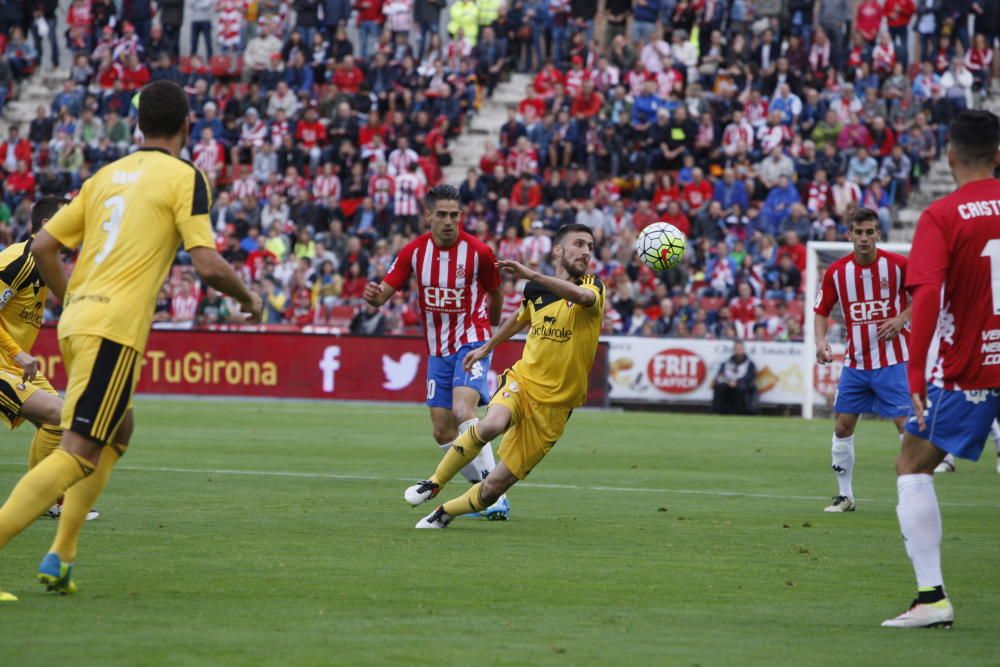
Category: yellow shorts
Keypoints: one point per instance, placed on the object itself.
(14, 392)
(102, 376)
(534, 428)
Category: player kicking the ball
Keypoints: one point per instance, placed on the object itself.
(954, 280)
(458, 280)
(536, 397)
(868, 283)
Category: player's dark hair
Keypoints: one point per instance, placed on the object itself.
(861, 214)
(567, 229)
(443, 192)
(163, 106)
(44, 209)
(974, 137)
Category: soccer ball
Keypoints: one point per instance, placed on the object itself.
(660, 246)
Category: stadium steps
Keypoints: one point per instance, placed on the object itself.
(937, 183)
(35, 91)
(485, 125)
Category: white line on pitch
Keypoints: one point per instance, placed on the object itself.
(533, 485)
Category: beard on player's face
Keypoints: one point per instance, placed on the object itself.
(574, 266)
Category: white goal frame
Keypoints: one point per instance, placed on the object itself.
(808, 361)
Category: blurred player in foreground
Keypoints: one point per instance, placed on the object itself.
(25, 393)
(868, 284)
(458, 281)
(536, 397)
(954, 279)
(128, 220)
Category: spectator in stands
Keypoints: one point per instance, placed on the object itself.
(735, 385)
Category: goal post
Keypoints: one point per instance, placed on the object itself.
(819, 255)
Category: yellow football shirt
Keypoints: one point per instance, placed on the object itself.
(22, 300)
(562, 342)
(130, 218)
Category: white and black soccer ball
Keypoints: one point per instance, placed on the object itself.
(660, 246)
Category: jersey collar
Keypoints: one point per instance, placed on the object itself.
(154, 149)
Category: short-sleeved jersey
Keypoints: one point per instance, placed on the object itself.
(22, 300)
(868, 296)
(957, 248)
(453, 284)
(562, 341)
(130, 218)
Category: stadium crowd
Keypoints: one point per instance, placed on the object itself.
(751, 126)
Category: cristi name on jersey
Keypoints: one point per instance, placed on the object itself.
(979, 209)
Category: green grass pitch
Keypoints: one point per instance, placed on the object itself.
(274, 533)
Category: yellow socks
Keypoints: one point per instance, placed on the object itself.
(45, 442)
(79, 500)
(38, 489)
(468, 503)
(465, 448)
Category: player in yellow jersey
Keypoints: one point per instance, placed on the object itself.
(128, 220)
(25, 393)
(563, 315)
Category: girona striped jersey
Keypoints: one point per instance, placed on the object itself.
(868, 296)
(453, 284)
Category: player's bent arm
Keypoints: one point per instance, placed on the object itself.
(496, 306)
(511, 327)
(926, 305)
(565, 289)
(217, 272)
(377, 294)
(45, 249)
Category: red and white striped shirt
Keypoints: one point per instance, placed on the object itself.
(735, 134)
(868, 296)
(453, 284)
(209, 155)
(326, 185)
(184, 308)
(399, 160)
(243, 187)
(381, 189)
(409, 192)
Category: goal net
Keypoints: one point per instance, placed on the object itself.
(819, 394)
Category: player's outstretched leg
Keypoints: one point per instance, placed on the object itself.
(920, 523)
(56, 568)
(476, 499)
(465, 448)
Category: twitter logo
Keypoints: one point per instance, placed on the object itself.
(400, 374)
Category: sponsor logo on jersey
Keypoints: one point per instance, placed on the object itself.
(867, 311)
(549, 330)
(399, 374)
(676, 371)
(444, 298)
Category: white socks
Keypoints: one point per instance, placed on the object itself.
(843, 464)
(920, 521)
(481, 466)
(995, 434)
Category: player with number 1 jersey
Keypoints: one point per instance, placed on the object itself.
(955, 343)
(459, 293)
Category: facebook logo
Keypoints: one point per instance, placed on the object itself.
(329, 366)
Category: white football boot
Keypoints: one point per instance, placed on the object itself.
(418, 494)
(938, 614)
(436, 519)
(840, 504)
